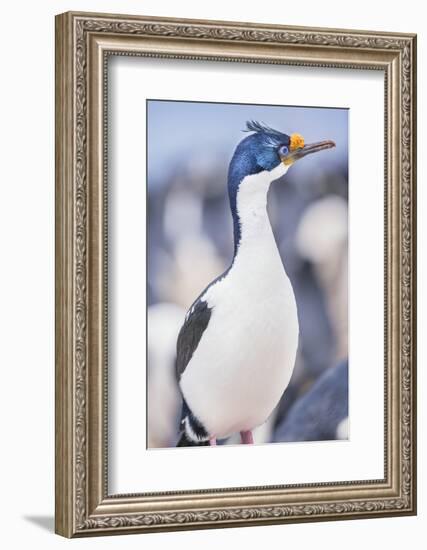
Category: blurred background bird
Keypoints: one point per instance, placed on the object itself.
(322, 412)
(190, 237)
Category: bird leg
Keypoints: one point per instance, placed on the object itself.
(247, 437)
(212, 441)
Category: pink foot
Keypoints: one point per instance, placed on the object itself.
(212, 441)
(247, 437)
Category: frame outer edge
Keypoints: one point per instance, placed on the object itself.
(64, 238)
(413, 229)
(414, 257)
(74, 513)
(249, 25)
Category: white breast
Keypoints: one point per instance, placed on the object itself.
(246, 356)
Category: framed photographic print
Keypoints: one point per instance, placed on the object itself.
(235, 274)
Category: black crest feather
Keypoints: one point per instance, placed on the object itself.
(270, 136)
(260, 127)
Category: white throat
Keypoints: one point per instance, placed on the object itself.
(251, 203)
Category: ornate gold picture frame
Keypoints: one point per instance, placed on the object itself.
(84, 42)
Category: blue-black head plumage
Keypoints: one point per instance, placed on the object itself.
(256, 153)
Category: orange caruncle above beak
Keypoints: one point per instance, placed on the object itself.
(296, 142)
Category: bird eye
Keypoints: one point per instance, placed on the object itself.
(283, 150)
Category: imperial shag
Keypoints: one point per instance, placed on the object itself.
(236, 349)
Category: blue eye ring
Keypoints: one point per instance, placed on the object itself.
(283, 150)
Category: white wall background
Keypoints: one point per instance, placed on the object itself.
(27, 273)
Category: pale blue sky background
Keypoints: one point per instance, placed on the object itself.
(178, 130)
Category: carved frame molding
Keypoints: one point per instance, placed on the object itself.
(83, 44)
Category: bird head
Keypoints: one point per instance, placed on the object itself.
(266, 152)
(265, 149)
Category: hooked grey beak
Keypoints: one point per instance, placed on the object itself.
(290, 158)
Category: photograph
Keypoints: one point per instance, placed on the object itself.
(235, 272)
(247, 293)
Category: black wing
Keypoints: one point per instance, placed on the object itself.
(190, 334)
